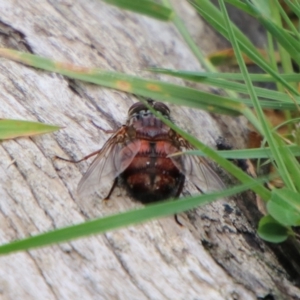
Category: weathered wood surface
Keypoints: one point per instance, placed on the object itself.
(216, 255)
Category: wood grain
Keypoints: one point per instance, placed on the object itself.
(216, 255)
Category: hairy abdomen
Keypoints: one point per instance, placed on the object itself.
(152, 176)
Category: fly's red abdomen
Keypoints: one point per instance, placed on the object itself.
(152, 176)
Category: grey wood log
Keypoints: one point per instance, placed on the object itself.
(215, 255)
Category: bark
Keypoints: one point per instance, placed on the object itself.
(215, 255)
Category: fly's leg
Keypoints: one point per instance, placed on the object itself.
(77, 161)
(177, 221)
(111, 190)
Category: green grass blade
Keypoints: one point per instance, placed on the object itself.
(116, 221)
(149, 8)
(179, 24)
(10, 129)
(287, 20)
(147, 88)
(154, 89)
(256, 153)
(213, 16)
(286, 40)
(294, 6)
(262, 6)
(240, 5)
(238, 87)
(198, 76)
(291, 164)
(272, 140)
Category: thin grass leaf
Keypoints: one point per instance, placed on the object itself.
(10, 129)
(287, 20)
(291, 164)
(147, 88)
(240, 5)
(271, 105)
(256, 153)
(285, 60)
(238, 87)
(226, 57)
(108, 223)
(294, 7)
(198, 76)
(262, 6)
(286, 40)
(179, 24)
(149, 8)
(213, 16)
(154, 89)
(272, 139)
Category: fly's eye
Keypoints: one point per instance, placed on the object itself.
(162, 108)
(136, 115)
(140, 108)
(136, 108)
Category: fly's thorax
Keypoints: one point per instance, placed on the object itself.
(145, 124)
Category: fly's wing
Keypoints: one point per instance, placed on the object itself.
(195, 168)
(115, 156)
